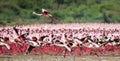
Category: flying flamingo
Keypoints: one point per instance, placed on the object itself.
(2, 43)
(47, 14)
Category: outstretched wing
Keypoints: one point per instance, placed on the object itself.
(16, 30)
(45, 12)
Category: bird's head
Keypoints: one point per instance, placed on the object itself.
(33, 12)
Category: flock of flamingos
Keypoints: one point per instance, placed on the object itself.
(61, 39)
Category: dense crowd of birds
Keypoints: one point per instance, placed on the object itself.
(63, 37)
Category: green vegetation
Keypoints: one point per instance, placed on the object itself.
(20, 11)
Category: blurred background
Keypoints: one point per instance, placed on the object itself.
(14, 12)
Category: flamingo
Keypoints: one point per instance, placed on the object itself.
(2, 43)
(47, 14)
(32, 44)
(5, 44)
